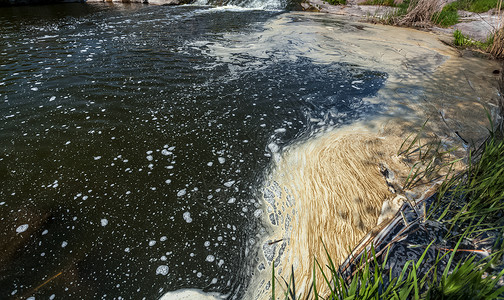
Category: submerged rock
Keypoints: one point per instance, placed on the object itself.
(22, 226)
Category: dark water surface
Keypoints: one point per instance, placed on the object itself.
(131, 157)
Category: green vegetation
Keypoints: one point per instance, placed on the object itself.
(477, 6)
(430, 160)
(336, 2)
(469, 205)
(424, 12)
(447, 16)
(373, 280)
(474, 199)
(464, 41)
(380, 2)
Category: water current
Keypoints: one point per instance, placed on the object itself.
(134, 141)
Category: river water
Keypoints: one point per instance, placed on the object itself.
(134, 141)
(138, 143)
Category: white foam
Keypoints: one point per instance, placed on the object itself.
(273, 147)
(191, 294)
(22, 228)
(162, 270)
(187, 217)
(229, 183)
(103, 222)
(210, 258)
(181, 193)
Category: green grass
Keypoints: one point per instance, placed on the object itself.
(477, 6)
(448, 16)
(429, 157)
(336, 2)
(466, 282)
(473, 201)
(380, 2)
(372, 279)
(463, 41)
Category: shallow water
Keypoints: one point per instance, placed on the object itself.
(134, 141)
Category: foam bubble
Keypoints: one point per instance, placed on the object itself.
(162, 270)
(103, 222)
(187, 217)
(229, 183)
(22, 228)
(210, 258)
(273, 147)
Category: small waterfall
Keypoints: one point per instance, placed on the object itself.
(249, 4)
